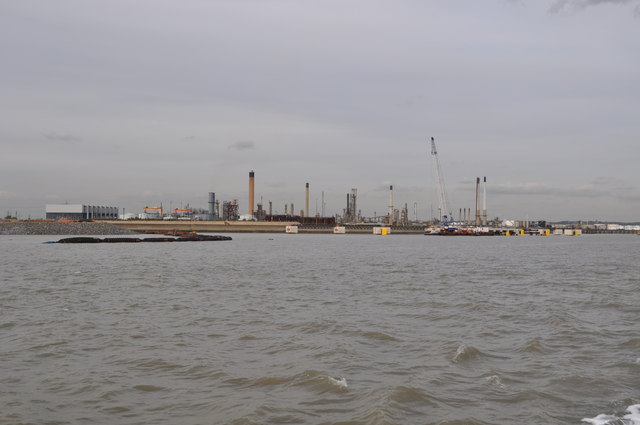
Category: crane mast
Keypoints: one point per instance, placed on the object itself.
(446, 216)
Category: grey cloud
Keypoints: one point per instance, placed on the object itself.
(560, 5)
(351, 107)
(602, 187)
(612, 183)
(243, 145)
(62, 137)
(7, 194)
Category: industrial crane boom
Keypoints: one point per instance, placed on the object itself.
(446, 215)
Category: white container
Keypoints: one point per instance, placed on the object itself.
(339, 230)
(291, 229)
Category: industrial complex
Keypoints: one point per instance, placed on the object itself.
(351, 219)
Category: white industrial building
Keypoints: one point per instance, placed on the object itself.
(80, 212)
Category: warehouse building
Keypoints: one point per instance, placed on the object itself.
(80, 212)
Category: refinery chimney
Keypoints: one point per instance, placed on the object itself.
(212, 206)
(477, 200)
(484, 202)
(391, 205)
(251, 184)
(306, 205)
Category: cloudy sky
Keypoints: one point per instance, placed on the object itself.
(136, 102)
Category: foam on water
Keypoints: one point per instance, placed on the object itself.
(338, 381)
(465, 352)
(632, 418)
(495, 381)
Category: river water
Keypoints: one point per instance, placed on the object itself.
(322, 329)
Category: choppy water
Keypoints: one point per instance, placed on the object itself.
(322, 329)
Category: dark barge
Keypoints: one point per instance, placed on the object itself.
(194, 237)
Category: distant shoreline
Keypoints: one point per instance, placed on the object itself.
(134, 227)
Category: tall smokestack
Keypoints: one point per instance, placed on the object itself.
(390, 205)
(251, 184)
(477, 200)
(484, 202)
(306, 205)
(270, 208)
(212, 206)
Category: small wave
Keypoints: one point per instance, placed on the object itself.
(309, 378)
(380, 336)
(533, 346)
(632, 418)
(148, 388)
(271, 380)
(247, 338)
(322, 383)
(411, 395)
(633, 342)
(339, 381)
(495, 381)
(465, 352)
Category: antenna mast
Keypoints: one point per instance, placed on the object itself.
(443, 204)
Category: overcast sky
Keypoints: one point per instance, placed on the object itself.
(131, 103)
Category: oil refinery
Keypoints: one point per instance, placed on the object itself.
(470, 220)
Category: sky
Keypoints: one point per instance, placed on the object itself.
(133, 103)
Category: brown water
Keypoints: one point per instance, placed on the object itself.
(321, 329)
